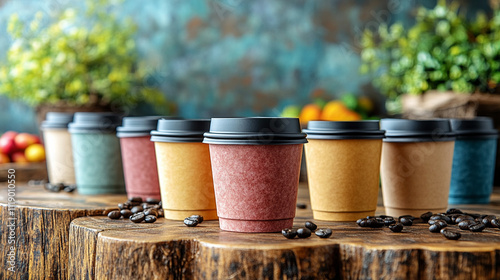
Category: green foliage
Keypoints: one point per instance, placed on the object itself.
(89, 60)
(442, 51)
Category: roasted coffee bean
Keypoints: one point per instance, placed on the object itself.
(363, 223)
(441, 217)
(114, 214)
(389, 221)
(454, 211)
(453, 218)
(324, 232)
(135, 199)
(310, 225)
(371, 217)
(198, 218)
(495, 223)
(462, 218)
(426, 216)
(473, 215)
(396, 227)
(477, 227)
(406, 221)
(70, 188)
(465, 225)
(147, 205)
(126, 213)
(289, 233)
(151, 211)
(190, 222)
(150, 219)
(359, 221)
(152, 200)
(137, 209)
(487, 220)
(431, 222)
(451, 234)
(435, 228)
(374, 223)
(385, 217)
(303, 232)
(123, 206)
(406, 216)
(301, 205)
(137, 217)
(161, 213)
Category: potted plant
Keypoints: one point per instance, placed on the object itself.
(76, 64)
(443, 66)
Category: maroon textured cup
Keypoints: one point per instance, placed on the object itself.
(138, 157)
(256, 172)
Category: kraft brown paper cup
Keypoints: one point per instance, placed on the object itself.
(186, 183)
(343, 178)
(59, 155)
(416, 177)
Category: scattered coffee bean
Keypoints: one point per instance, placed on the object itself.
(198, 218)
(160, 212)
(462, 218)
(190, 222)
(374, 223)
(137, 209)
(495, 223)
(303, 232)
(324, 232)
(434, 228)
(137, 217)
(477, 227)
(152, 200)
(151, 211)
(363, 223)
(136, 199)
(289, 233)
(301, 205)
(114, 214)
(150, 219)
(426, 216)
(371, 217)
(466, 224)
(70, 188)
(454, 211)
(310, 225)
(386, 217)
(441, 217)
(126, 213)
(123, 206)
(473, 215)
(396, 227)
(487, 220)
(359, 221)
(407, 216)
(406, 221)
(450, 234)
(389, 221)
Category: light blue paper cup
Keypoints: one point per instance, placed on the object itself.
(96, 153)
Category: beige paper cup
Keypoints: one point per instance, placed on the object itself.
(343, 173)
(416, 177)
(184, 169)
(416, 166)
(59, 152)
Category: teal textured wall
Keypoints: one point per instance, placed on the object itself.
(240, 58)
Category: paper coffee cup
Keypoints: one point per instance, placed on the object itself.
(473, 161)
(96, 153)
(256, 166)
(58, 150)
(416, 166)
(343, 167)
(184, 169)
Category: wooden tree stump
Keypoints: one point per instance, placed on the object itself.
(119, 249)
(41, 229)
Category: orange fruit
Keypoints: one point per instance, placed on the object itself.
(337, 111)
(35, 152)
(310, 112)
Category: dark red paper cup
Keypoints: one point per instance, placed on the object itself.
(138, 156)
(255, 167)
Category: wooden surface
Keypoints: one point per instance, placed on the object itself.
(42, 228)
(119, 249)
(24, 171)
(100, 248)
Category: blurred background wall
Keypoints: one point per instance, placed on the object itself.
(239, 58)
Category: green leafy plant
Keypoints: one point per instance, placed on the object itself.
(76, 61)
(443, 51)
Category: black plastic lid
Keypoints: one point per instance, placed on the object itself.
(255, 131)
(94, 122)
(139, 126)
(169, 130)
(477, 128)
(402, 130)
(326, 130)
(57, 120)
